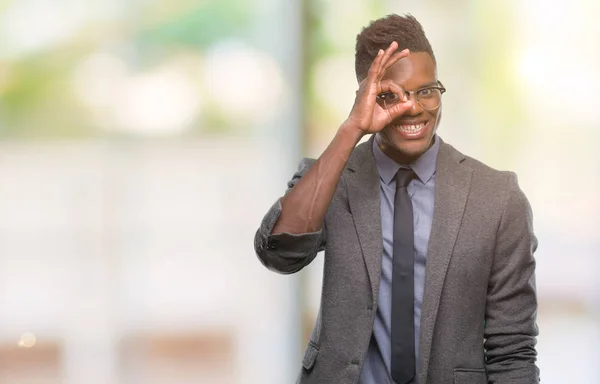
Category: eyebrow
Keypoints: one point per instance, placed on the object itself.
(426, 85)
(430, 84)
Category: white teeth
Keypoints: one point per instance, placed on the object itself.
(411, 128)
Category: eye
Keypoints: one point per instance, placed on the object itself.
(426, 92)
(388, 97)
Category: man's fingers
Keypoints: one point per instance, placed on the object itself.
(379, 64)
(391, 86)
(375, 67)
(386, 115)
(401, 106)
(388, 53)
(399, 109)
(394, 59)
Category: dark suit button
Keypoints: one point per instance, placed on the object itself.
(355, 362)
(370, 307)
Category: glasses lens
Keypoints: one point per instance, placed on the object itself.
(388, 99)
(429, 98)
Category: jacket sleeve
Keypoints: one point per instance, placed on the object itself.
(287, 253)
(511, 329)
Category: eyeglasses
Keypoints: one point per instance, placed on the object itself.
(428, 98)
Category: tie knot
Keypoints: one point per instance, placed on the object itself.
(403, 177)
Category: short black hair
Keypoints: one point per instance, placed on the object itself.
(380, 33)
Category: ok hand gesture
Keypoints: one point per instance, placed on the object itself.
(367, 115)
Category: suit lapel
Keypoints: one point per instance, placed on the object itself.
(453, 181)
(363, 188)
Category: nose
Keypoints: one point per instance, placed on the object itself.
(416, 108)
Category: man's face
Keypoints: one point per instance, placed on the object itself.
(410, 135)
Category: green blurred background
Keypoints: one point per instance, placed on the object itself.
(141, 141)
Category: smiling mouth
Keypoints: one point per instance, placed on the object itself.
(411, 129)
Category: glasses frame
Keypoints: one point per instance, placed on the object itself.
(409, 94)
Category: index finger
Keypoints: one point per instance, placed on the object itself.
(395, 58)
(386, 56)
(391, 86)
(375, 71)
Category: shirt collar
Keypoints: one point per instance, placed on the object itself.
(424, 166)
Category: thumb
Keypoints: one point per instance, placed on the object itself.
(400, 109)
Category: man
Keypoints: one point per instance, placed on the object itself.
(429, 269)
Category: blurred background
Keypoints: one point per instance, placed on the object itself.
(141, 142)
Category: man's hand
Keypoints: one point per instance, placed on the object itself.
(367, 115)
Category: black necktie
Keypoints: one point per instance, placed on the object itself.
(403, 330)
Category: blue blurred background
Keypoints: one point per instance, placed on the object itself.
(141, 141)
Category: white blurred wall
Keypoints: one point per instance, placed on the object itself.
(102, 243)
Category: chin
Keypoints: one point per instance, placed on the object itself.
(407, 149)
(414, 148)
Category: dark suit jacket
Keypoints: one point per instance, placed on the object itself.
(478, 322)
